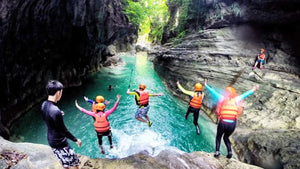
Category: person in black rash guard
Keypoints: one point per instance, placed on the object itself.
(57, 133)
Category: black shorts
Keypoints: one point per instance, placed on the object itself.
(107, 133)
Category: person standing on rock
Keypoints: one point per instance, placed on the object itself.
(101, 123)
(57, 133)
(195, 102)
(228, 109)
(142, 100)
(261, 58)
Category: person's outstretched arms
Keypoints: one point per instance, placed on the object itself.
(247, 93)
(77, 105)
(213, 92)
(187, 92)
(107, 113)
(84, 110)
(128, 91)
(159, 94)
(106, 102)
(88, 100)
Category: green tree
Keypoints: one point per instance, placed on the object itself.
(149, 15)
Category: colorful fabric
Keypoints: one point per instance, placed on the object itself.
(221, 98)
(137, 97)
(187, 92)
(67, 156)
(142, 112)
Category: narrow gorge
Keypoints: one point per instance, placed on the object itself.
(216, 40)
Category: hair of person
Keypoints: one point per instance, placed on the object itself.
(53, 86)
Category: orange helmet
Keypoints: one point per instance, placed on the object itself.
(142, 86)
(231, 91)
(100, 106)
(99, 99)
(198, 87)
(263, 50)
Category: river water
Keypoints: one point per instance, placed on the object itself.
(169, 130)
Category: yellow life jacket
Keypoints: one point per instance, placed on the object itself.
(101, 123)
(229, 109)
(196, 101)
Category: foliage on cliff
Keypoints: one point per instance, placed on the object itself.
(149, 15)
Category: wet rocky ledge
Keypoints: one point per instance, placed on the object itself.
(36, 156)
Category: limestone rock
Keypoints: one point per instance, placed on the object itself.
(272, 149)
(225, 58)
(63, 40)
(35, 156)
(167, 159)
(27, 156)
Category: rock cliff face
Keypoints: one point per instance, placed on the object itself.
(218, 56)
(34, 156)
(224, 52)
(46, 39)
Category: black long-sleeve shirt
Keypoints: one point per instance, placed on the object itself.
(57, 133)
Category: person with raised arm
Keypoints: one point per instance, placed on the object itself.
(228, 109)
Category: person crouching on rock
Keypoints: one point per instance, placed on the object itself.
(101, 123)
(261, 58)
(228, 109)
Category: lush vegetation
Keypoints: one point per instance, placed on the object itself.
(150, 16)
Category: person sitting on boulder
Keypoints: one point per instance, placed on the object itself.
(261, 58)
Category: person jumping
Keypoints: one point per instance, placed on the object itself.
(101, 123)
(142, 100)
(195, 102)
(99, 99)
(228, 109)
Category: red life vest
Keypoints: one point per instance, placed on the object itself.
(196, 101)
(229, 109)
(261, 56)
(94, 107)
(144, 98)
(101, 123)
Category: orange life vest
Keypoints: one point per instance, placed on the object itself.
(196, 101)
(144, 98)
(229, 109)
(261, 56)
(101, 123)
(94, 107)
